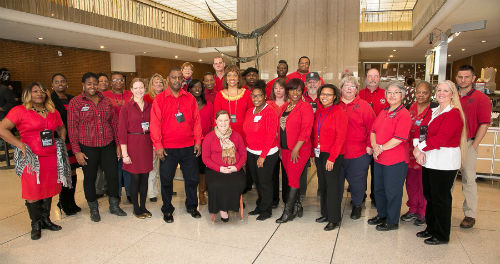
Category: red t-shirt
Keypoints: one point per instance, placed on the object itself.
(360, 117)
(236, 105)
(388, 125)
(477, 111)
(330, 130)
(260, 129)
(218, 83)
(118, 100)
(376, 99)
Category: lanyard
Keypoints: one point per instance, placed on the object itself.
(320, 121)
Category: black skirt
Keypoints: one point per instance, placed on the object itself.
(224, 190)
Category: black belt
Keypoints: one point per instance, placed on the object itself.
(472, 138)
(132, 133)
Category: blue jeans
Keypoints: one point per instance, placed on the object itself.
(389, 182)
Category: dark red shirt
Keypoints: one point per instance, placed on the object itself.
(210, 95)
(91, 125)
(360, 117)
(330, 130)
(417, 121)
(218, 83)
(166, 131)
(376, 99)
(388, 125)
(260, 130)
(477, 111)
(118, 100)
(212, 151)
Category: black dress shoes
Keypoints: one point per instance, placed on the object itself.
(434, 241)
(330, 226)
(153, 199)
(254, 212)
(424, 234)
(321, 219)
(263, 217)
(168, 217)
(387, 227)
(356, 212)
(225, 220)
(376, 220)
(194, 213)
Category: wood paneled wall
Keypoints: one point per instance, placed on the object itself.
(147, 66)
(327, 31)
(485, 59)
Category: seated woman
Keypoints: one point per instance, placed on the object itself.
(224, 154)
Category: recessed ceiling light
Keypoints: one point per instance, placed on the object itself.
(176, 56)
(388, 59)
(102, 47)
(391, 56)
(275, 35)
(200, 60)
(449, 55)
(483, 41)
(394, 50)
(144, 52)
(463, 49)
(40, 38)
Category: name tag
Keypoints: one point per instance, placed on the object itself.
(256, 119)
(233, 118)
(423, 133)
(317, 150)
(85, 109)
(418, 122)
(314, 106)
(47, 138)
(179, 117)
(145, 126)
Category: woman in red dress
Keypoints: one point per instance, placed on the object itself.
(35, 119)
(197, 89)
(296, 122)
(136, 145)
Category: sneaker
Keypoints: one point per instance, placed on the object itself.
(419, 221)
(409, 216)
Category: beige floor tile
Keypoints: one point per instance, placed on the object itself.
(281, 259)
(482, 246)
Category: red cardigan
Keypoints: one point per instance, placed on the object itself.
(299, 124)
(260, 130)
(212, 151)
(444, 131)
(333, 130)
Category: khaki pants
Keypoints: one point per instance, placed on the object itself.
(153, 179)
(469, 186)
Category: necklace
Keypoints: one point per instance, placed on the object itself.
(41, 111)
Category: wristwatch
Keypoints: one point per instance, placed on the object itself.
(381, 147)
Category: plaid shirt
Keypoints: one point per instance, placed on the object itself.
(89, 124)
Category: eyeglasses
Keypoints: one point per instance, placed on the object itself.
(118, 80)
(390, 93)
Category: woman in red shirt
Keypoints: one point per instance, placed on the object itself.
(261, 126)
(329, 133)
(388, 138)
(197, 89)
(224, 155)
(136, 145)
(296, 122)
(277, 101)
(36, 118)
(156, 86)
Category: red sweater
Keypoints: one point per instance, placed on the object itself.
(299, 124)
(260, 130)
(444, 131)
(331, 125)
(212, 151)
(360, 117)
(236, 105)
(166, 132)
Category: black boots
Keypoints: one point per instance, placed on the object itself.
(94, 211)
(291, 207)
(39, 212)
(114, 208)
(67, 199)
(46, 223)
(34, 210)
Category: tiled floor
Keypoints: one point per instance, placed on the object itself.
(187, 240)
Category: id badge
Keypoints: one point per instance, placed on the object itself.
(179, 117)
(145, 126)
(47, 137)
(256, 119)
(317, 150)
(418, 122)
(423, 133)
(233, 118)
(85, 108)
(314, 106)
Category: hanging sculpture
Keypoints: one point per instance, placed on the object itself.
(255, 34)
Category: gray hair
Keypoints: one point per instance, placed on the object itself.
(398, 85)
(349, 79)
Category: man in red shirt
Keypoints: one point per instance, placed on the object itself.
(176, 134)
(208, 82)
(313, 82)
(375, 96)
(303, 70)
(219, 66)
(477, 110)
(251, 76)
(281, 70)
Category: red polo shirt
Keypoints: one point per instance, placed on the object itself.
(166, 131)
(330, 128)
(388, 125)
(376, 99)
(260, 129)
(477, 111)
(218, 83)
(360, 117)
(301, 76)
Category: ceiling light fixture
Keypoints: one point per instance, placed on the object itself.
(394, 50)
(176, 56)
(483, 41)
(200, 60)
(102, 47)
(144, 52)
(40, 38)
(463, 49)
(391, 56)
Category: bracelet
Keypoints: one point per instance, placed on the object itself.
(381, 147)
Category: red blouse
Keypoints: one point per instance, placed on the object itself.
(236, 105)
(329, 130)
(260, 130)
(212, 151)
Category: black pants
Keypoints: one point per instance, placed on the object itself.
(437, 186)
(285, 189)
(139, 186)
(330, 187)
(372, 185)
(355, 171)
(303, 178)
(189, 167)
(263, 178)
(106, 158)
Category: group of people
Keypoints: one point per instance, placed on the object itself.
(227, 137)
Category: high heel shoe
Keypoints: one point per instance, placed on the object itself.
(67, 211)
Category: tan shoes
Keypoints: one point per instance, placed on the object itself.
(468, 222)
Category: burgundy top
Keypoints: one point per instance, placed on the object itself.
(138, 141)
(207, 118)
(417, 121)
(89, 124)
(212, 151)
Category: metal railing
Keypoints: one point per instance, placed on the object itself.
(393, 20)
